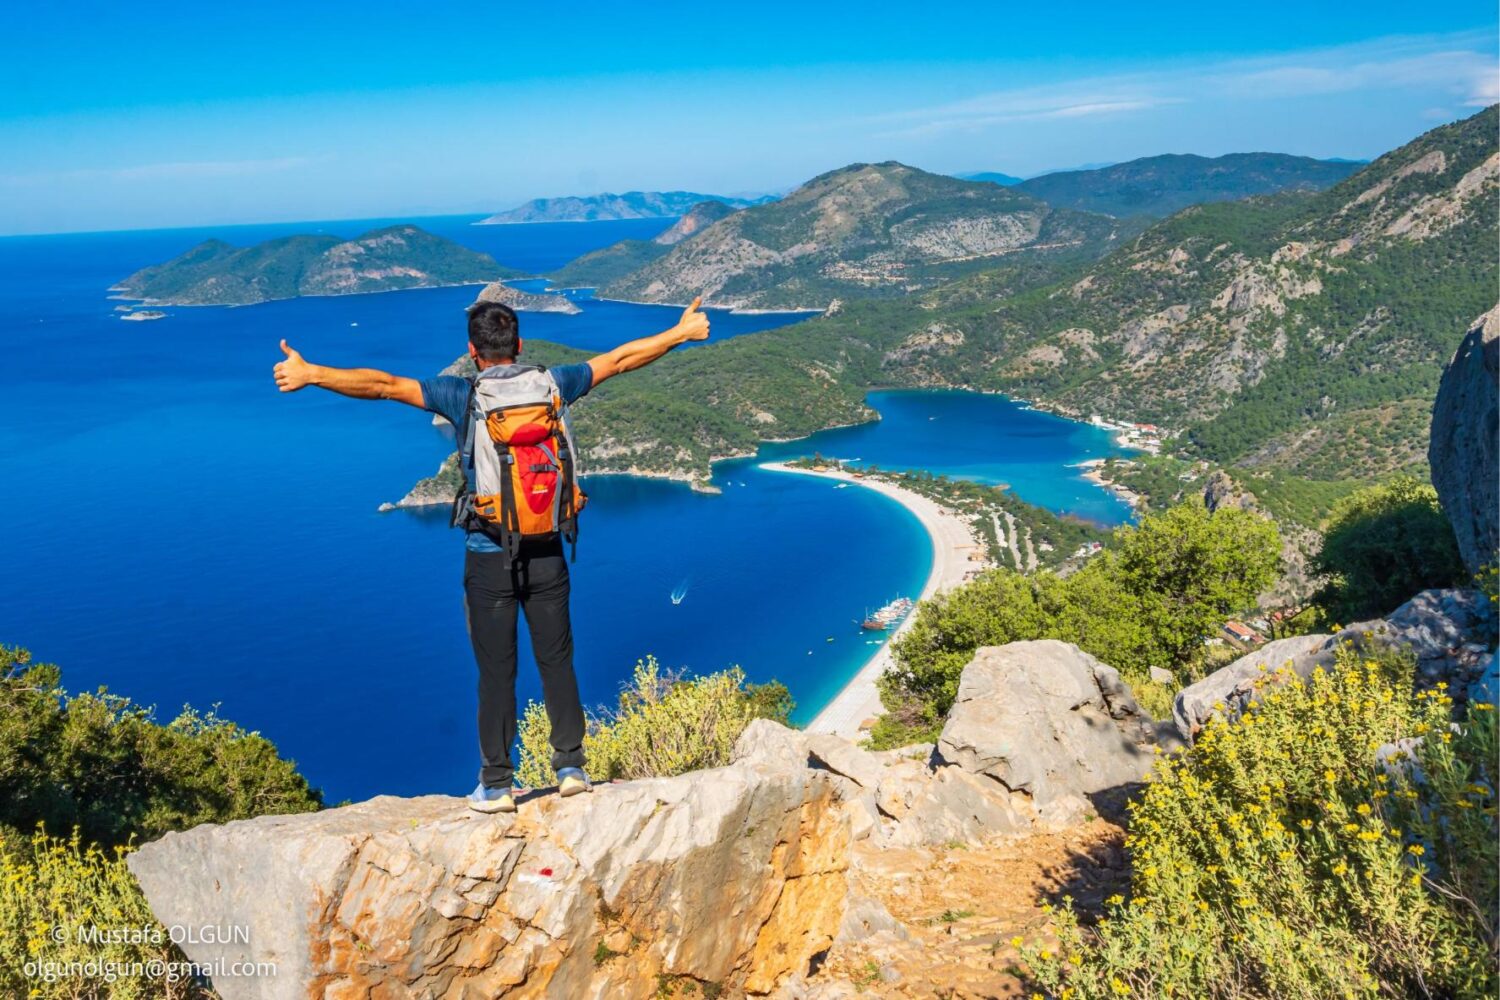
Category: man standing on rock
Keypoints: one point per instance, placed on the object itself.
(527, 574)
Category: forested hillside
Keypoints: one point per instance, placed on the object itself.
(1160, 185)
(1267, 330)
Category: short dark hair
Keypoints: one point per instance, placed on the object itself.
(494, 331)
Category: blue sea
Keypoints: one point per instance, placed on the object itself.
(173, 528)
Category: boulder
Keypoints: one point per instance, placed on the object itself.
(1486, 687)
(902, 797)
(1047, 720)
(1462, 449)
(1227, 689)
(734, 877)
(1448, 632)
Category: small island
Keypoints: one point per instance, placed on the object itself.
(143, 315)
(214, 273)
(499, 291)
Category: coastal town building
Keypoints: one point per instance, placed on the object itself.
(1240, 634)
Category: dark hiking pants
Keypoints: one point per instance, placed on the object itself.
(496, 588)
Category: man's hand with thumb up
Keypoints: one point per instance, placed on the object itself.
(293, 373)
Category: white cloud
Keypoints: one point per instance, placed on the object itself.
(1031, 104)
(1461, 67)
(1484, 90)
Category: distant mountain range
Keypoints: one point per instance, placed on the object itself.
(1158, 186)
(605, 207)
(870, 229)
(887, 229)
(1005, 180)
(405, 256)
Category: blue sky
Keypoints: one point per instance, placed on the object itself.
(118, 116)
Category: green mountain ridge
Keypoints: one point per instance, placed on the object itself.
(1158, 186)
(865, 230)
(402, 256)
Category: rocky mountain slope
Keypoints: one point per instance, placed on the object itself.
(867, 229)
(611, 263)
(1273, 330)
(1159, 186)
(405, 256)
(602, 207)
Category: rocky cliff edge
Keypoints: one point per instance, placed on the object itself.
(734, 881)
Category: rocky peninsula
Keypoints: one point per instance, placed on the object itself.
(499, 291)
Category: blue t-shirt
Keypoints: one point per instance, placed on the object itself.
(448, 397)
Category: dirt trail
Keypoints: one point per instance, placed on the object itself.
(963, 905)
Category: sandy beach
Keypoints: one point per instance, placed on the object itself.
(955, 553)
(1093, 471)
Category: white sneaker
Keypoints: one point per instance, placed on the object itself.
(492, 800)
(571, 781)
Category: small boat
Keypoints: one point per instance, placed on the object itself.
(679, 592)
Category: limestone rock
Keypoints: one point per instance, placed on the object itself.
(896, 797)
(951, 804)
(1047, 719)
(1448, 632)
(1233, 685)
(1221, 492)
(1462, 451)
(1486, 687)
(734, 877)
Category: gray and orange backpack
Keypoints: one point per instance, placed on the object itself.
(519, 446)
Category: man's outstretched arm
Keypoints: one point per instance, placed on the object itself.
(627, 357)
(361, 383)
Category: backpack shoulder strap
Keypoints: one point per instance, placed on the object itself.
(466, 431)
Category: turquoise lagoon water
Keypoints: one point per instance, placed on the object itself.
(175, 529)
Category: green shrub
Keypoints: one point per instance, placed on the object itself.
(1188, 569)
(103, 765)
(1382, 545)
(1148, 601)
(663, 724)
(53, 894)
(1277, 858)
